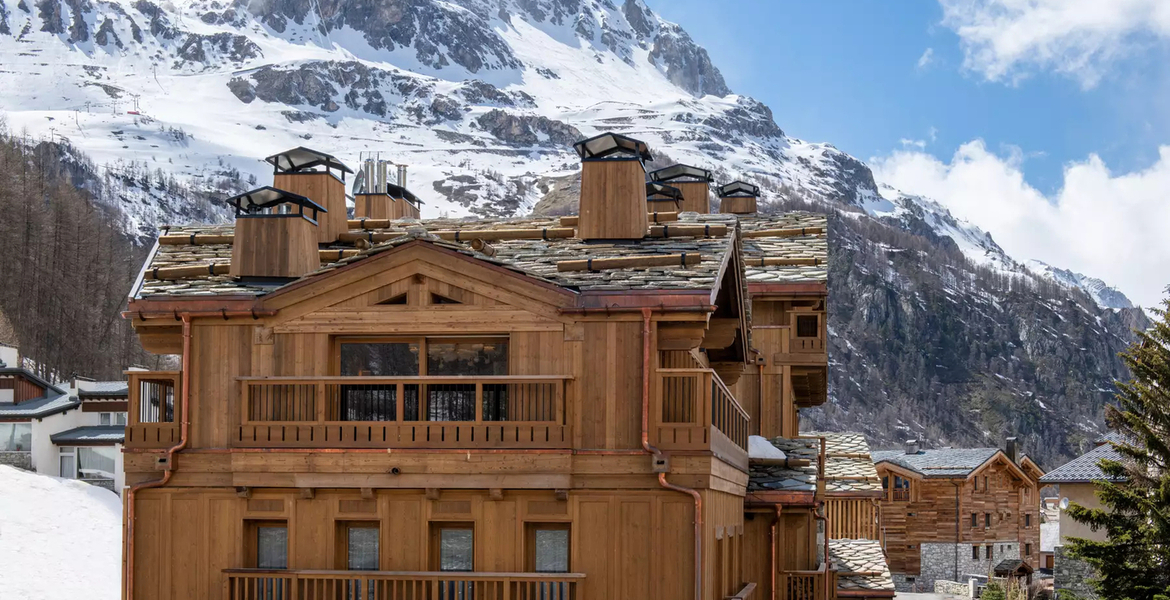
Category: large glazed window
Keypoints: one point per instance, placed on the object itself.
(271, 545)
(380, 359)
(96, 462)
(15, 437)
(456, 546)
(361, 546)
(549, 547)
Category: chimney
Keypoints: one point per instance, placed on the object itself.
(693, 182)
(613, 188)
(662, 198)
(738, 198)
(276, 234)
(319, 177)
(402, 175)
(376, 198)
(912, 446)
(1012, 450)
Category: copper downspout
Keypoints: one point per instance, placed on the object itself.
(772, 549)
(819, 514)
(183, 423)
(646, 445)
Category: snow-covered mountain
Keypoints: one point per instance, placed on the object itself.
(1105, 295)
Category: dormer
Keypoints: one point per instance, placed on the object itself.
(693, 182)
(662, 198)
(319, 177)
(738, 198)
(276, 234)
(613, 187)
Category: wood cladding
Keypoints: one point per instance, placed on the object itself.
(383, 206)
(275, 246)
(613, 200)
(696, 196)
(938, 511)
(738, 205)
(324, 189)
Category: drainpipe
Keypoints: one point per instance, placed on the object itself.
(819, 514)
(772, 549)
(956, 574)
(184, 421)
(648, 447)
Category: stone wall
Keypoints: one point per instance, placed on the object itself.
(1072, 574)
(952, 588)
(20, 460)
(939, 561)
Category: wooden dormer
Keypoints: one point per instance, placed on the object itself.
(613, 187)
(693, 182)
(319, 177)
(276, 234)
(738, 197)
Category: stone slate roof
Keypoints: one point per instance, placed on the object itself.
(848, 464)
(1084, 468)
(90, 434)
(536, 258)
(105, 389)
(813, 245)
(777, 478)
(861, 565)
(942, 462)
(54, 401)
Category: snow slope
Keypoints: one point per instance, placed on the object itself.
(59, 538)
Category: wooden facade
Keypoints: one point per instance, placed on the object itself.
(383, 206)
(325, 189)
(613, 192)
(979, 511)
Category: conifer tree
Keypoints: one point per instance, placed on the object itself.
(1134, 562)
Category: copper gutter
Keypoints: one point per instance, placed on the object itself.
(648, 447)
(255, 313)
(184, 421)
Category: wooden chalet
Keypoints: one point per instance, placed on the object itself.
(951, 513)
(490, 409)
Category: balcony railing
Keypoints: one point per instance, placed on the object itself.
(403, 412)
(900, 495)
(258, 584)
(852, 519)
(820, 584)
(697, 412)
(153, 406)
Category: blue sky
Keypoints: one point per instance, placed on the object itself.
(1043, 112)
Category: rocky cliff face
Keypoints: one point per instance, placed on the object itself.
(482, 99)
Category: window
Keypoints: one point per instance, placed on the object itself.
(974, 552)
(548, 547)
(901, 489)
(974, 519)
(359, 539)
(1027, 550)
(987, 519)
(267, 544)
(96, 462)
(989, 548)
(156, 401)
(436, 357)
(1027, 520)
(807, 326)
(67, 463)
(453, 546)
(985, 484)
(112, 418)
(15, 437)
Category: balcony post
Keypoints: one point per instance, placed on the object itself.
(321, 402)
(479, 402)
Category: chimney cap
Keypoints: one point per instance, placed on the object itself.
(609, 143)
(396, 191)
(301, 159)
(682, 172)
(252, 202)
(740, 189)
(658, 191)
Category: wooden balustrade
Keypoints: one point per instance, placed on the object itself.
(820, 584)
(900, 494)
(259, 584)
(852, 518)
(696, 411)
(403, 412)
(153, 406)
(790, 349)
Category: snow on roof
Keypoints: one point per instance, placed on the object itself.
(103, 389)
(760, 447)
(90, 434)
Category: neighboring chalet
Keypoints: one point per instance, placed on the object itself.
(72, 430)
(528, 408)
(1074, 481)
(951, 513)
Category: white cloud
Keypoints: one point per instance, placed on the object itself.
(1102, 224)
(933, 134)
(926, 58)
(908, 143)
(1008, 39)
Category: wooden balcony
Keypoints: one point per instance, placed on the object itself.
(258, 584)
(820, 584)
(784, 347)
(696, 411)
(852, 519)
(152, 421)
(403, 412)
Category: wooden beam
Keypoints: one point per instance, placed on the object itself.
(161, 273)
(496, 494)
(720, 333)
(653, 217)
(630, 262)
(367, 493)
(307, 493)
(194, 239)
(688, 230)
(681, 335)
(244, 492)
(791, 232)
(533, 233)
(777, 261)
(433, 493)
